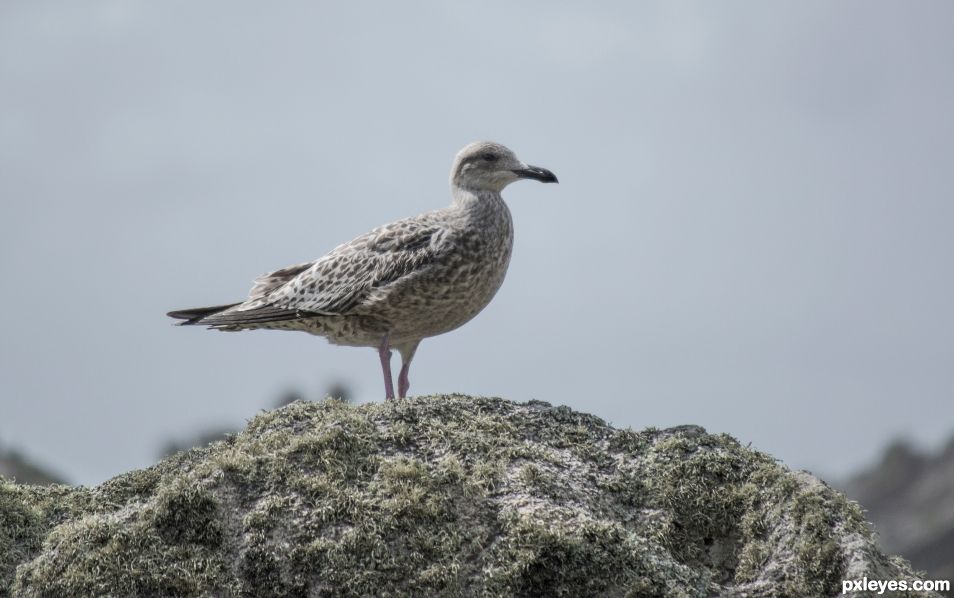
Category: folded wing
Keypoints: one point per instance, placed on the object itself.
(336, 284)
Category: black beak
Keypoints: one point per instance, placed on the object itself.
(536, 173)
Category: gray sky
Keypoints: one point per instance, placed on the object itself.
(753, 230)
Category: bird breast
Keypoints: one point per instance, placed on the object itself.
(456, 287)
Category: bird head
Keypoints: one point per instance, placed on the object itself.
(489, 166)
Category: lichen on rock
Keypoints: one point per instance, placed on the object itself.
(443, 496)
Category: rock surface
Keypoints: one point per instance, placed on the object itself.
(443, 496)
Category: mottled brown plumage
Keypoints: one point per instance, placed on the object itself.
(401, 282)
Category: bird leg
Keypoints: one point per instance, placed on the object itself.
(407, 351)
(403, 383)
(384, 351)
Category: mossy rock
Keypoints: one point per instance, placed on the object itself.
(443, 496)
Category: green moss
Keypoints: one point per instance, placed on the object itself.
(448, 496)
(20, 531)
(565, 556)
(188, 514)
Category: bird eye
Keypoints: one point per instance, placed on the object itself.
(488, 157)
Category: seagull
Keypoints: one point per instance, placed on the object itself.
(399, 283)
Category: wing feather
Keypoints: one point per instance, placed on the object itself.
(236, 318)
(266, 283)
(341, 281)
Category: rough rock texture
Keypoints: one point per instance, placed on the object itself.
(443, 496)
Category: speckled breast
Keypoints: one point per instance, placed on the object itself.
(452, 290)
(451, 293)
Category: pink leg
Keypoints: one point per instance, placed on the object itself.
(403, 382)
(384, 351)
(407, 354)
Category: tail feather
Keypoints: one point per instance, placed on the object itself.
(197, 314)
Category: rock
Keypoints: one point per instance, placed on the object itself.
(443, 496)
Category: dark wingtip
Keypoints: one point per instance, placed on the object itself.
(187, 317)
(196, 314)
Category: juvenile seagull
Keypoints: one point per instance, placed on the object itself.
(401, 282)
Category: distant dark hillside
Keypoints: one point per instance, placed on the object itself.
(16, 466)
(909, 497)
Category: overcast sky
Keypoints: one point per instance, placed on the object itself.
(752, 231)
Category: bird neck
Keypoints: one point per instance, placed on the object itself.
(477, 201)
